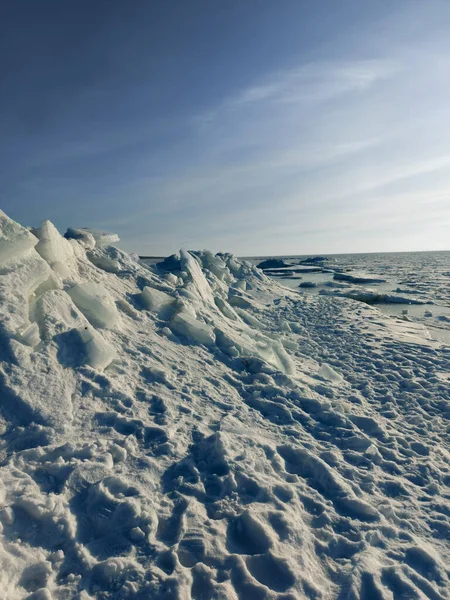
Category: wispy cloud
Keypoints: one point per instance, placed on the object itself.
(310, 83)
(318, 82)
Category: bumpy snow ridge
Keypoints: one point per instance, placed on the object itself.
(198, 431)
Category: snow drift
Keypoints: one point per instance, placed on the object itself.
(194, 430)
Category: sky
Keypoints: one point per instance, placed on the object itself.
(258, 127)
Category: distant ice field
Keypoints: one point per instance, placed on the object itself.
(415, 276)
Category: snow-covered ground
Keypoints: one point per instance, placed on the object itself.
(416, 283)
(196, 430)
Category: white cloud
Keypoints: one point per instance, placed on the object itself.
(313, 82)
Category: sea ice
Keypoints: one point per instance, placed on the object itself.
(96, 303)
(15, 240)
(195, 430)
(86, 235)
(357, 278)
(185, 324)
(156, 300)
(330, 374)
(55, 249)
(98, 353)
(272, 263)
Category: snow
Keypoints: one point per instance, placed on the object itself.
(82, 236)
(372, 296)
(290, 270)
(86, 235)
(195, 430)
(15, 240)
(53, 248)
(357, 278)
(314, 260)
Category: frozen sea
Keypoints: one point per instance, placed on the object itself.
(416, 276)
(194, 430)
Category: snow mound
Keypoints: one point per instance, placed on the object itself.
(53, 248)
(194, 430)
(15, 240)
(92, 237)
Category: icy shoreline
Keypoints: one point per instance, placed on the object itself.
(198, 431)
(411, 285)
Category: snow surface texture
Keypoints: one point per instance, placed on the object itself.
(201, 432)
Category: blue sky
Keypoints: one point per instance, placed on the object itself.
(257, 126)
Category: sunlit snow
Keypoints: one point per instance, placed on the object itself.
(196, 430)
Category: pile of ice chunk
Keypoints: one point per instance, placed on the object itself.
(194, 430)
(15, 240)
(92, 237)
(53, 248)
(60, 300)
